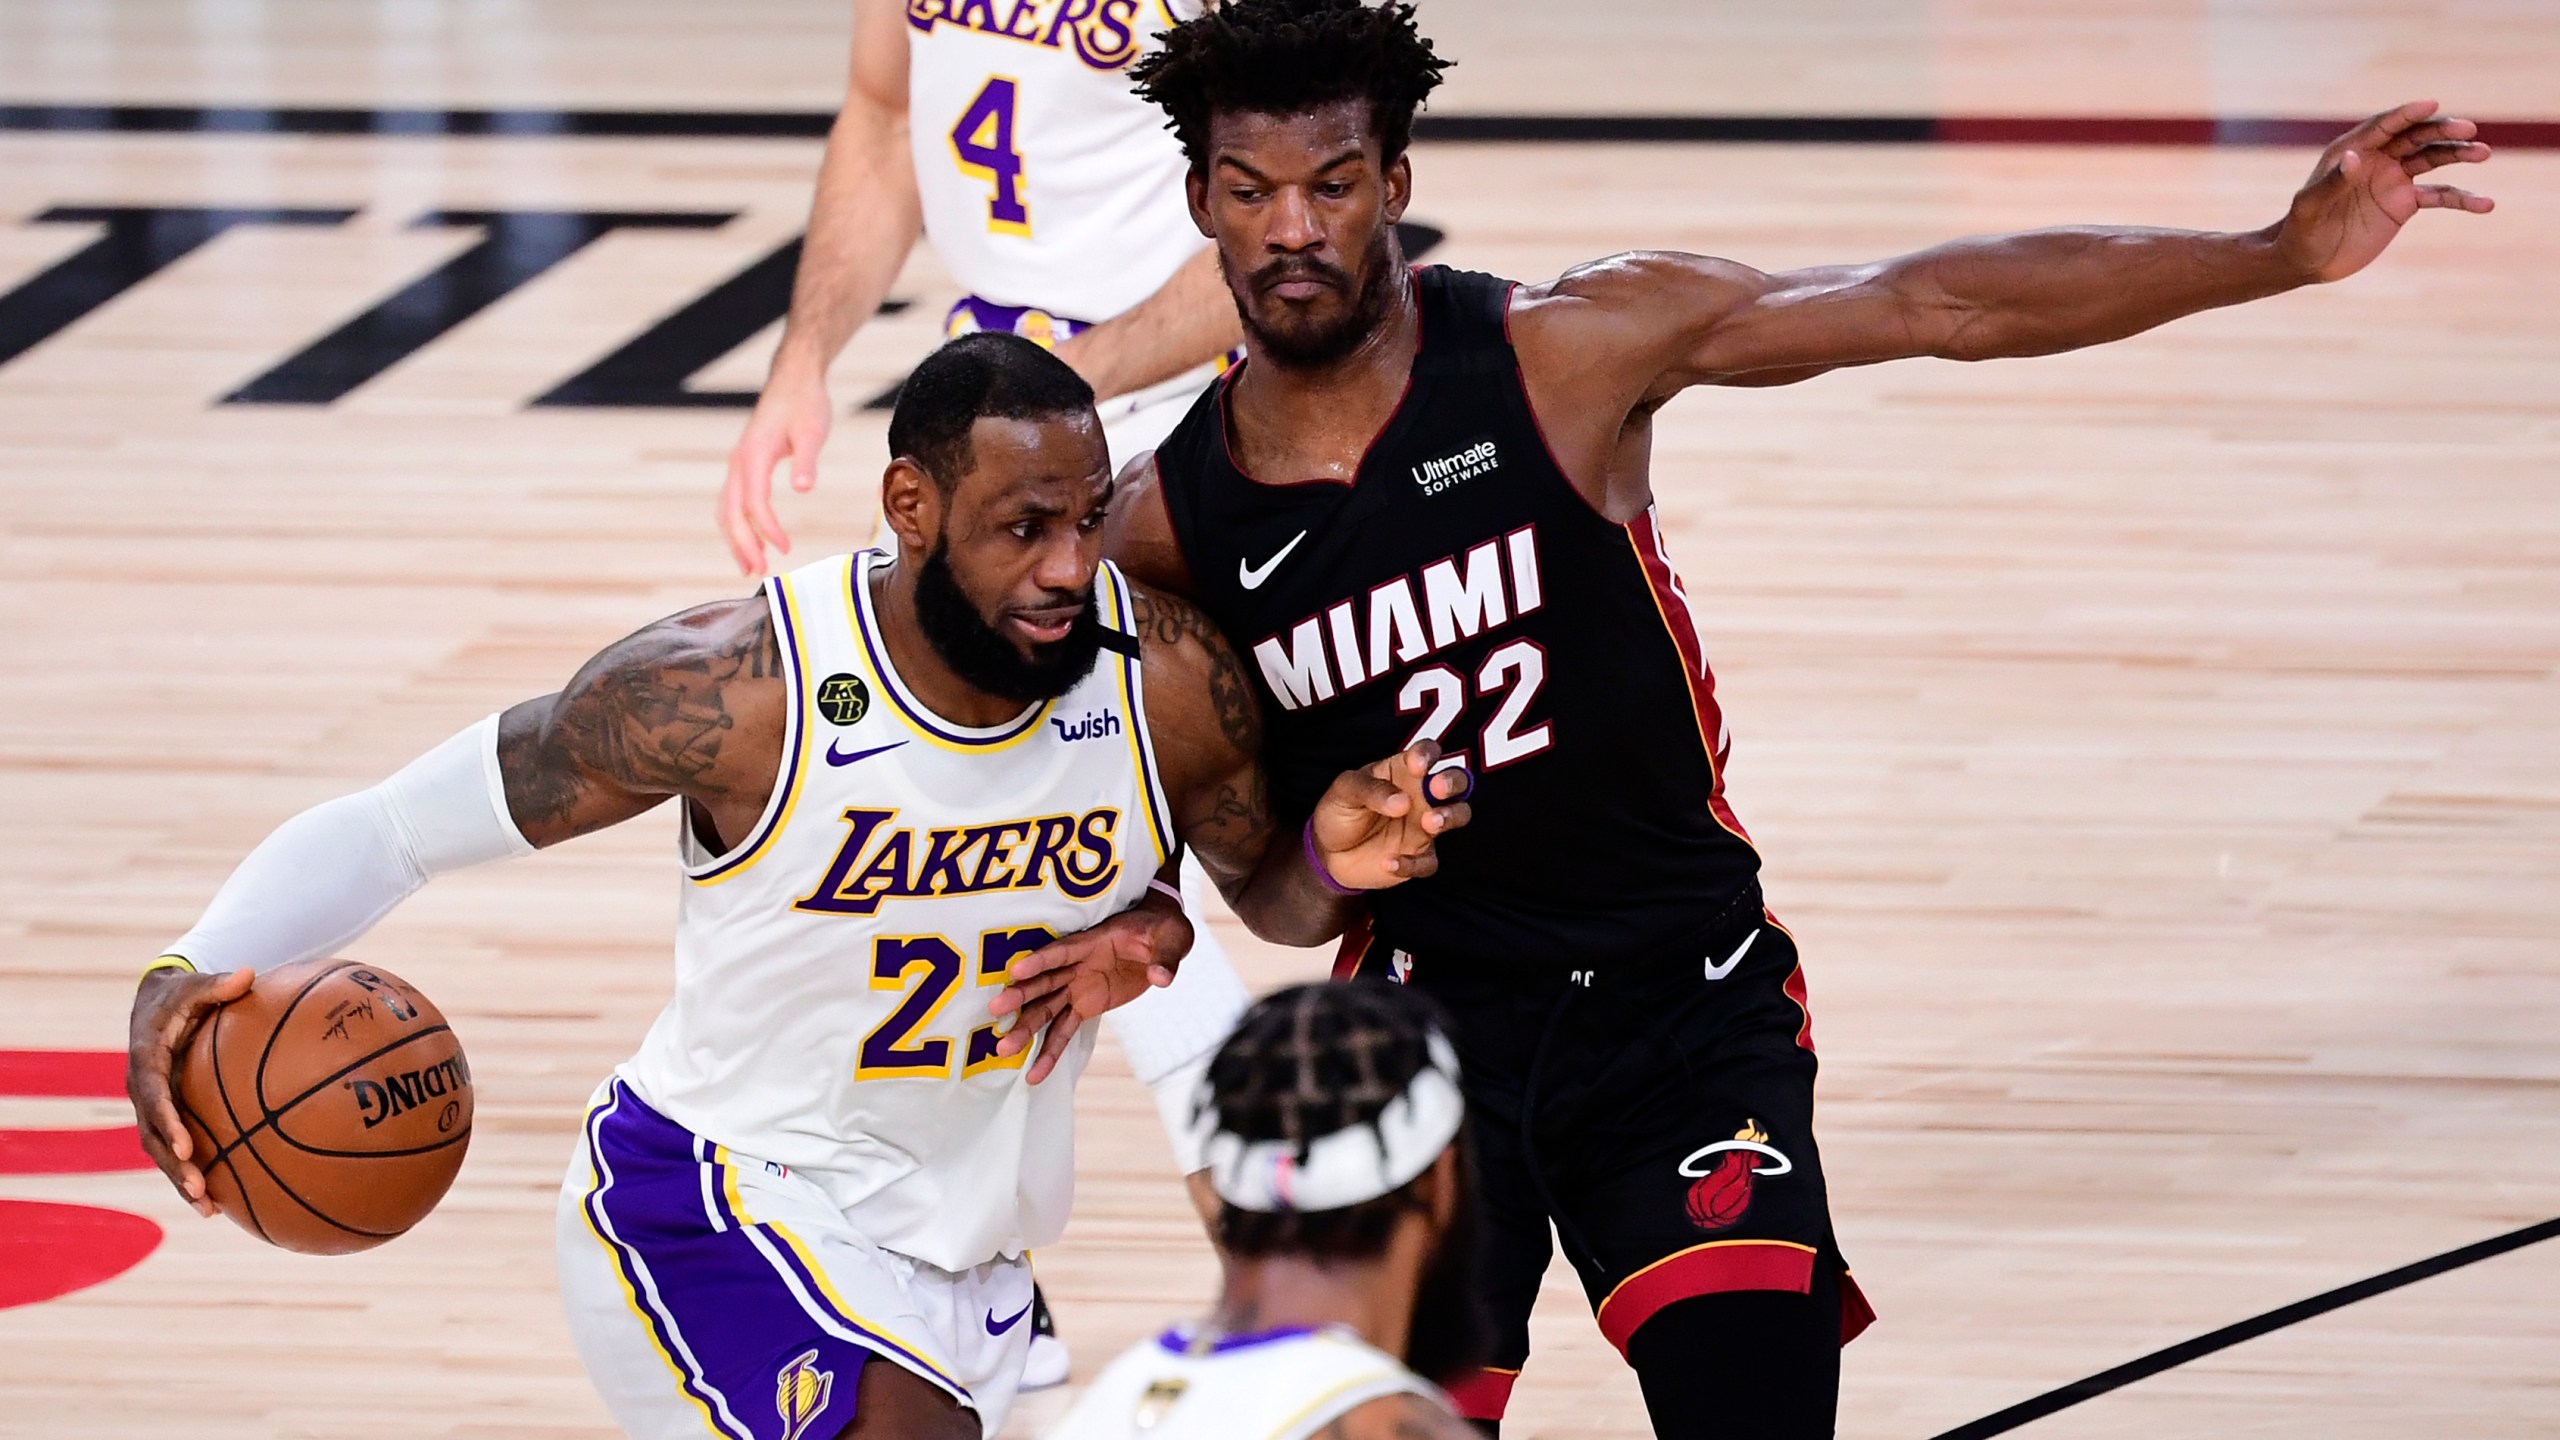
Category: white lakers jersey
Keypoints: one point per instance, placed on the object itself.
(1045, 181)
(833, 968)
(1281, 1385)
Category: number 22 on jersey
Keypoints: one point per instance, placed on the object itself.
(982, 145)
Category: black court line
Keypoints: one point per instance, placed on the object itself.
(2002, 1422)
(1460, 128)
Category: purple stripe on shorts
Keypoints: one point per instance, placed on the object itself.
(1028, 321)
(711, 1289)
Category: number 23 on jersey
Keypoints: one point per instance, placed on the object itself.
(982, 144)
(928, 968)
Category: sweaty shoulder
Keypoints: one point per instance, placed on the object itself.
(690, 705)
(1137, 533)
(1631, 305)
(1399, 1417)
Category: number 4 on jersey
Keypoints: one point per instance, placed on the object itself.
(982, 143)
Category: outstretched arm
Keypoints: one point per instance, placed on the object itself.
(1612, 339)
(690, 706)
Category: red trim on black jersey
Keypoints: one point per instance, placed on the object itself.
(1356, 944)
(1483, 1395)
(1710, 1269)
(1855, 1313)
(1794, 986)
(1227, 420)
(1671, 599)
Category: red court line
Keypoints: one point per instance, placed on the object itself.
(82, 1074)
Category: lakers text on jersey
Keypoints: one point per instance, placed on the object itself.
(834, 966)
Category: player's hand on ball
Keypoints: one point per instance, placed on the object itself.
(1377, 826)
(2365, 188)
(1052, 991)
(166, 1011)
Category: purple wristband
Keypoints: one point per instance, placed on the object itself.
(1315, 862)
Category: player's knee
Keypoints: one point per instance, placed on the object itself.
(1763, 1363)
(897, 1404)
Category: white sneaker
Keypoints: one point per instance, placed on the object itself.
(1048, 1362)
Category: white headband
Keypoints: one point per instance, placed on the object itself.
(1347, 1167)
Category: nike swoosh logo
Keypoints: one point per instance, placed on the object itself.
(1718, 972)
(1252, 576)
(837, 757)
(998, 1327)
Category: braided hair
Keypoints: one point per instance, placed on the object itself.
(1282, 57)
(1305, 1063)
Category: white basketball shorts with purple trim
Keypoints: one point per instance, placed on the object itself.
(713, 1292)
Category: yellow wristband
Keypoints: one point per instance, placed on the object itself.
(166, 962)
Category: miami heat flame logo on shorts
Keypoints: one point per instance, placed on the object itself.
(1725, 1172)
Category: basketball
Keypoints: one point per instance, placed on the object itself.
(329, 1108)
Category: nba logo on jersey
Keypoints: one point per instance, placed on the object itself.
(800, 1393)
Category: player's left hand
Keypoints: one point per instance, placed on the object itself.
(2365, 188)
(1052, 991)
(1376, 826)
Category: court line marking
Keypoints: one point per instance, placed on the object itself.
(2001, 1422)
(2109, 130)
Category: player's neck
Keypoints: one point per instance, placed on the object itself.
(920, 667)
(1285, 1292)
(1323, 417)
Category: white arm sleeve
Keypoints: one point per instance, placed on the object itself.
(1170, 1035)
(326, 875)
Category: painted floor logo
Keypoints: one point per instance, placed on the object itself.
(47, 1249)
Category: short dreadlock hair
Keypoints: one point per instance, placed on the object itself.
(1307, 1062)
(987, 374)
(1282, 57)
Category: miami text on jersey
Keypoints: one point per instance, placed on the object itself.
(1101, 33)
(1359, 640)
(1078, 854)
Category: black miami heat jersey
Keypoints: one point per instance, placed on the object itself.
(1460, 588)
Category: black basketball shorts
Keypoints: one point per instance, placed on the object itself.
(1658, 1111)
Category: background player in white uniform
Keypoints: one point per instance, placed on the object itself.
(899, 776)
(1006, 132)
(1331, 1121)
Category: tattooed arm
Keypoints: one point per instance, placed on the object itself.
(1372, 827)
(691, 706)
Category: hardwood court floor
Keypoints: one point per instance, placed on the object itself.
(2153, 750)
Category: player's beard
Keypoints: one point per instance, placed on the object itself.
(1314, 345)
(1452, 1334)
(980, 654)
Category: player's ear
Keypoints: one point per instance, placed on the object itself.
(1399, 186)
(1195, 193)
(911, 504)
